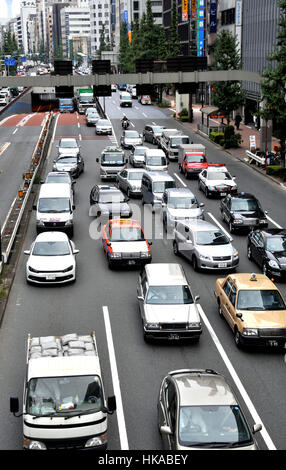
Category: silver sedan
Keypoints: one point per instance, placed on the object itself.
(129, 180)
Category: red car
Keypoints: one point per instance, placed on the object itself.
(193, 163)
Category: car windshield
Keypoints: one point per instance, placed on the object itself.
(156, 161)
(218, 175)
(175, 141)
(196, 159)
(212, 425)
(158, 129)
(182, 202)
(68, 144)
(67, 159)
(169, 295)
(67, 101)
(127, 97)
(58, 248)
(240, 205)
(139, 151)
(54, 204)
(132, 135)
(215, 237)
(85, 99)
(268, 299)
(160, 186)
(103, 122)
(146, 97)
(58, 179)
(276, 243)
(135, 175)
(127, 234)
(64, 396)
(112, 158)
(111, 197)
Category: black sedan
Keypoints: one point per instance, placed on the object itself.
(268, 249)
(243, 211)
(109, 202)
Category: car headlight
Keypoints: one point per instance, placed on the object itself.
(115, 255)
(211, 188)
(96, 441)
(152, 326)
(208, 258)
(235, 254)
(69, 222)
(250, 331)
(70, 268)
(34, 445)
(194, 325)
(264, 221)
(145, 254)
(32, 269)
(237, 221)
(273, 264)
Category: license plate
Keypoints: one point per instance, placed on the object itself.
(174, 336)
(132, 262)
(223, 194)
(50, 277)
(272, 342)
(222, 265)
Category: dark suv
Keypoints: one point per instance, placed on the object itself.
(151, 133)
(268, 249)
(109, 202)
(243, 211)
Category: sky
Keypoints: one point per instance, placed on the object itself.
(4, 9)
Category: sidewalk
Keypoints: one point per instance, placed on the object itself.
(245, 131)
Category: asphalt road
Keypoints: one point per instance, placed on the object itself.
(258, 377)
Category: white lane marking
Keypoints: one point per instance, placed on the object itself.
(116, 382)
(78, 125)
(237, 381)
(154, 123)
(144, 114)
(79, 136)
(25, 119)
(14, 132)
(220, 226)
(6, 119)
(273, 222)
(181, 181)
(4, 147)
(133, 125)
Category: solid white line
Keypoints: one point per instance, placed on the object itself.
(243, 392)
(154, 123)
(116, 382)
(144, 114)
(78, 125)
(79, 136)
(220, 226)
(14, 132)
(181, 181)
(273, 221)
(133, 125)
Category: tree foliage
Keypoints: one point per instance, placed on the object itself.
(228, 96)
(273, 89)
(173, 45)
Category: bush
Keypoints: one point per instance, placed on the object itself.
(163, 104)
(183, 112)
(217, 137)
(184, 118)
(276, 170)
(231, 140)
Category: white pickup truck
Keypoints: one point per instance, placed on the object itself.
(64, 401)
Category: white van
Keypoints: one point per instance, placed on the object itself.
(125, 99)
(4, 98)
(153, 185)
(155, 160)
(55, 208)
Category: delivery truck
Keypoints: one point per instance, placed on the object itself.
(64, 404)
(85, 99)
(192, 159)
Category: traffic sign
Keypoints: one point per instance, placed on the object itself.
(10, 62)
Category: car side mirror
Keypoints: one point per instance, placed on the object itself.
(256, 428)
(111, 404)
(14, 405)
(239, 315)
(73, 207)
(150, 243)
(166, 430)
(266, 212)
(27, 252)
(97, 160)
(140, 297)
(202, 204)
(34, 208)
(75, 252)
(197, 298)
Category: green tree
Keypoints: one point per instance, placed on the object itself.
(125, 51)
(161, 43)
(273, 89)
(228, 96)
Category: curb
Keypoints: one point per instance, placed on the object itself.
(2, 111)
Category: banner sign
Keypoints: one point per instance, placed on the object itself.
(213, 19)
(193, 9)
(185, 6)
(201, 28)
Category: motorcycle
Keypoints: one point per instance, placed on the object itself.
(125, 124)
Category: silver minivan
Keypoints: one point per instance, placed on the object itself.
(155, 160)
(180, 204)
(205, 246)
(167, 306)
(153, 185)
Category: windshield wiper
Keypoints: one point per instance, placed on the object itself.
(209, 444)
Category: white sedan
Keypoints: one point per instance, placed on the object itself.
(217, 181)
(51, 259)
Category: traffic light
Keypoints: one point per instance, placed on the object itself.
(144, 65)
(101, 67)
(102, 90)
(63, 67)
(186, 64)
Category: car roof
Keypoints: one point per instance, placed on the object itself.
(252, 281)
(139, 147)
(124, 223)
(183, 192)
(159, 175)
(272, 232)
(162, 274)
(51, 236)
(55, 190)
(68, 139)
(199, 388)
(155, 152)
(243, 195)
(59, 173)
(200, 225)
(134, 170)
(220, 168)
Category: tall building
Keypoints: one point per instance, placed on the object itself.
(100, 18)
(75, 26)
(27, 9)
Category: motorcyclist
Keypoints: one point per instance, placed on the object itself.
(125, 121)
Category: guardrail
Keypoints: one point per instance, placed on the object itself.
(252, 157)
(11, 226)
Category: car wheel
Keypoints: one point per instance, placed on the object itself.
(231, 229)
(219, 309)
(195, 264)
(264, 269)
(128, 192)
(154, 141)
(199, 185)
(110, 263)
(237, 338)
(249, 254)
(176, 248)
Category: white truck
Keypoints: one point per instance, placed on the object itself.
(64, 404)
(170, 140)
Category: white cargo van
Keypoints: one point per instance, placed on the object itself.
(155, 160)
(4, 98)
(55, 208)
(125, 99)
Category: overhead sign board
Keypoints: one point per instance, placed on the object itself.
(185, 7)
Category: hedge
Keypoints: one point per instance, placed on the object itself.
(276, 170)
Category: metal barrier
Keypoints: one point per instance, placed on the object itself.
(10, 227)
(252, 157)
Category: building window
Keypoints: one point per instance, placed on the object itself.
(228, 17)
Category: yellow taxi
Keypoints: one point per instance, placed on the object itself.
(254, 309)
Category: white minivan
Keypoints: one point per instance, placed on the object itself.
(155, 160)
(55, 208)
(125, 99)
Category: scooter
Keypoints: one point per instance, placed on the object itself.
(125, 124)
